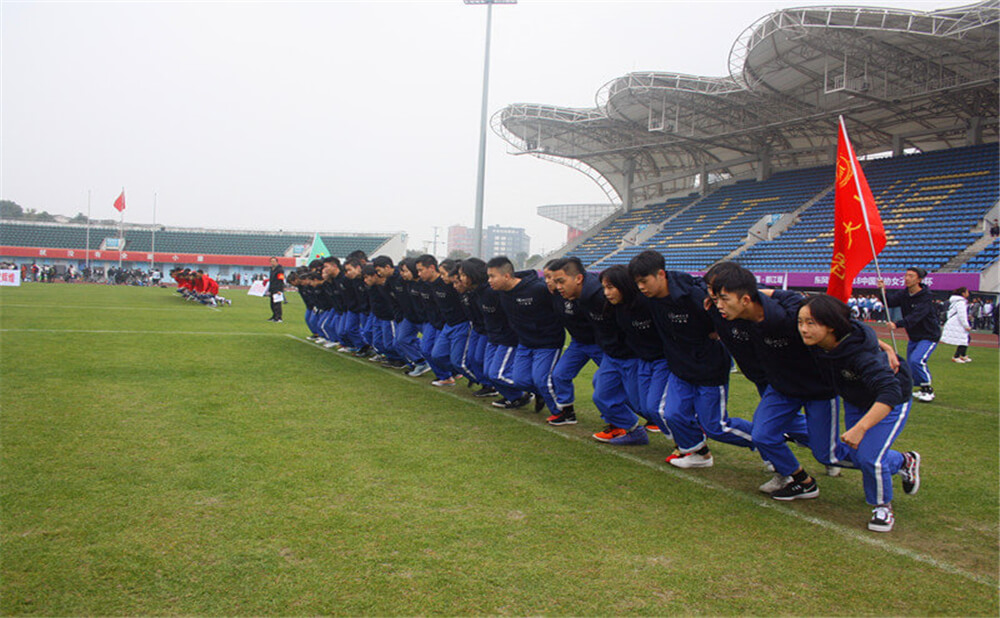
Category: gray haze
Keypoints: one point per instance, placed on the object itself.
(353, 116)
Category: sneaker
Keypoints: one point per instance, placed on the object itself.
(311, 337)
(925, 397)
(376, 358)
(319, 340)
(776, 483)
(636, 437)
(394, 363)
(957, 359)
(769, 466)
(486, 391)
(407, 368)
(690, 460)
(330, 344)
(833, 471)
(882, 518)
(609, 433)
(966, 359)
(910, 472)
(419, 370)
(653, 428)
(565, 417)
(539, 403)
(795, 490)
(348, 350)
(508, 404)
(445, 382)
(279, 321)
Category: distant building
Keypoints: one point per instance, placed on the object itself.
(497, 240)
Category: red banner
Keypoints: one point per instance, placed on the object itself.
(858, 235)
(143, 256)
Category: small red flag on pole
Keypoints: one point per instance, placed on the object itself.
(120, 202)
(858, 235)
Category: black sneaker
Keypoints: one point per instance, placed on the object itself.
(797, 491)
(393, 363)
(486, 391)
(539, 403)
(910, 472)
(566, 417)
(508, 404)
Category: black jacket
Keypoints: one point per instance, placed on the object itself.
(276, 280)
(919, 318)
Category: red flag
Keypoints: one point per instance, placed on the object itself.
(120, 202)
(857, 225)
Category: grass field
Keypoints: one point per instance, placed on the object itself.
(160, 457)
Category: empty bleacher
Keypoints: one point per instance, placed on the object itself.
(983, 259)
(928, 204)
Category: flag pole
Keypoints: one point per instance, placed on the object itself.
(868, 229)
(87, 249)
(121, 233)
(152, 244)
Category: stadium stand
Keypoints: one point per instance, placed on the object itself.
(71, 236)
(928, 204)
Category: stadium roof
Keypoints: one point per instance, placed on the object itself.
(901, 79)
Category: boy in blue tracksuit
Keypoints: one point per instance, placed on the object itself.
(921, 324)
(450, 325)
(876, 401)
(616, 385)
(434, 323)
(405, 321)
(474, 357)
(582, 348)
(794, 383)
(697, 389)
(501, 340)
(528, 305)
(355, 303)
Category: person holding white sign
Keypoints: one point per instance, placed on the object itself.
(276, 289)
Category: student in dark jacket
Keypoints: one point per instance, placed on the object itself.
(501, 341)
(735, 334)
(632, 312)
(386, 312)
(276, 289)
(469, 277)
(697, 389)
(582, 348)
(794, 384)
(448, 323)
(419, 319)
(407, 320)
(922, 327)
(616, 385)
(876, 401)
(528, 305)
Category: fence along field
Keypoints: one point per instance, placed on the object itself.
(162, 458)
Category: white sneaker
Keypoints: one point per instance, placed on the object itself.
(833, 470)
(882, 518)
(329, 344)
(925, 397)
(966, 359)
(319, 340)
(776, 483)
(690, 460)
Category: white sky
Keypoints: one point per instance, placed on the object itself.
(321, 116)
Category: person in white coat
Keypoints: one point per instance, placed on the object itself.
(957, 327)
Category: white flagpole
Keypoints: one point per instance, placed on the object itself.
(121, 231)
(88, 229)
(152, 245)
(864, 214)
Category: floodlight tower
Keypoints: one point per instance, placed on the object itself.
(481, 177)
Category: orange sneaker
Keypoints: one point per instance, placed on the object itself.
(610, 432)
(653, 428)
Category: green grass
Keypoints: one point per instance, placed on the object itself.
(154, 470)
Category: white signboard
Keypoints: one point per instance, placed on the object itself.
(10, 277)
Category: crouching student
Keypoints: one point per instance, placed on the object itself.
(469, 280)
(876, 401)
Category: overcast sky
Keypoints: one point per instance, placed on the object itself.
(325, 116)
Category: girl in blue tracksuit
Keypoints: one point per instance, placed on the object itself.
(922, 328)
(876, 401)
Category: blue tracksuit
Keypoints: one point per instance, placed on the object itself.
(735, 335)
(582, 348)
(431, 330)
(652, 371)
(860, 372)
(450, 345)
(697, 389)
(794, 383)
(528, 306)
(501, 344)
(408, 320)
(922, 328)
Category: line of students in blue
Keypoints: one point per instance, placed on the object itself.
(664, 343)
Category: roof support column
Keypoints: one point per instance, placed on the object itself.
(764, 165)
(629, 175)
(974, 136)
(703, 179)
(898, 143)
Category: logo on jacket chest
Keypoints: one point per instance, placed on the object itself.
(739, 335)
(678, 318)
(849, 375)
(642, 324)
(776, 342)
(526, 302)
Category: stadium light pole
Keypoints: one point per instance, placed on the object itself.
(481, 174)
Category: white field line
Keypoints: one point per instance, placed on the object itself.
(844, 531)
(52, 331)
(100, 307)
